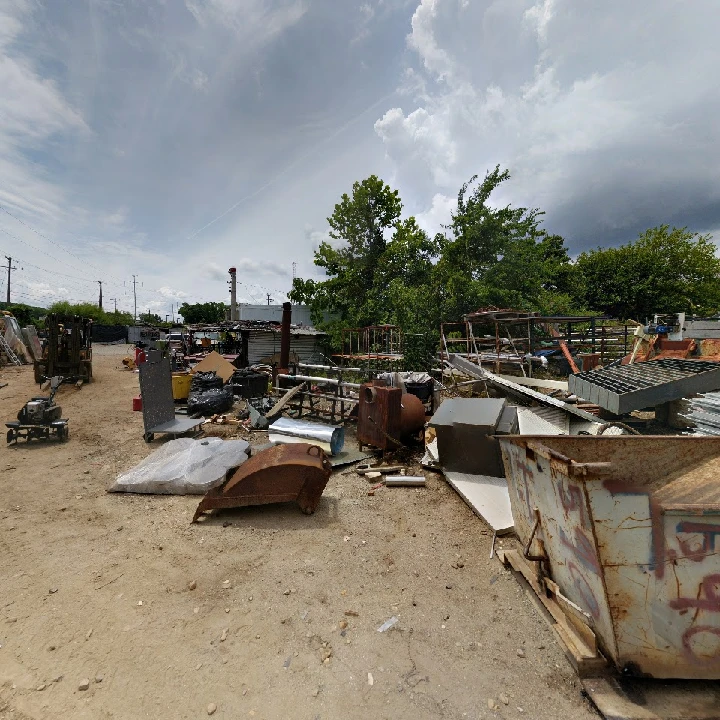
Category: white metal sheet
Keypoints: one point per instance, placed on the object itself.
(487, 496)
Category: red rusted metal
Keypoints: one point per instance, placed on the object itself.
(568, 356)
(710, 349)
(284, 473)
(412, 415)
(379, 416)
(630, 526)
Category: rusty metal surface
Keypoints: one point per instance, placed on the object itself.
(379, 416)
(284, 473)
(710, 349)
(412, 414)
(629, 525)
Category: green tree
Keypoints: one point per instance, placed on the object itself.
(385, 269)
(498, 256)
(24, 314)
(149, 318)
(119, 318)
(210, 312)
(665, 270)
(91, 311)
(358, 225)
(378, 267)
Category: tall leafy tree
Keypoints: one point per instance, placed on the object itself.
(664, 270)
(497, 255)
(381, 268)
(209, 312)
(91, 311)
(360, 227)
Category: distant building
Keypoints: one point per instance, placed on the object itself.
(272, 313)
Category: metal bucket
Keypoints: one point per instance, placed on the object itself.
(629, 527)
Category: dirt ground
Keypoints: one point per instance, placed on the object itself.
(97, 586)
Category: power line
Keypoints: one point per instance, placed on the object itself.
(32, 247)
(45, 237)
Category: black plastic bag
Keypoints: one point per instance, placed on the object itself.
(210, 402)
(202, 381)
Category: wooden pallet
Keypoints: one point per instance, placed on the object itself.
(569, 623)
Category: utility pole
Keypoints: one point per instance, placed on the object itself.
(10, 267)
(100, 300)
(115, 301)
(294, 270)
(269, 299)
(134, 299)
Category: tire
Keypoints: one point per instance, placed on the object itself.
(10, 436)
(148, 437)
(63, 433)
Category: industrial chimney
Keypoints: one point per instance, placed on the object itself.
(233, 294)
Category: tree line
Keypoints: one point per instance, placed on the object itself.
(382, 268)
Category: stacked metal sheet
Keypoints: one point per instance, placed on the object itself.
(703, 413)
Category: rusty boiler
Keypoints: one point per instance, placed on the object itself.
(386, 416)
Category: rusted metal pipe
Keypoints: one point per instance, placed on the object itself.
(285, 336)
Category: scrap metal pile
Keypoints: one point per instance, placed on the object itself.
(616, 530)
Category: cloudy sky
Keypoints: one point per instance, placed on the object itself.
(171, 139)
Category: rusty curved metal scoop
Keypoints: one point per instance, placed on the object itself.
(284, 473)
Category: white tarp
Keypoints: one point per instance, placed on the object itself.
(183, 467)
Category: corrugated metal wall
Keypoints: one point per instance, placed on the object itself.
(263, 345)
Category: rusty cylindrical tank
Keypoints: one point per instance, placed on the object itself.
(412, 415)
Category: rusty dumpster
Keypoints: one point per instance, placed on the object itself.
(629, 529)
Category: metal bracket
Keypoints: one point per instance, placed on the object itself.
(526, 550)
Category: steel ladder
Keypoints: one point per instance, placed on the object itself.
(8, 351)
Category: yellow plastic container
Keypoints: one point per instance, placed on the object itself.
(181, 385)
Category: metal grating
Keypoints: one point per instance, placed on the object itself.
(633, 387)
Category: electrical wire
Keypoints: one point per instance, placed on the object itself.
(52, 242)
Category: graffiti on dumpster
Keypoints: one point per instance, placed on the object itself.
(710, 589)
(584, 589)
(658, 545)
(693, 551)
(692, 640)
(583, 549)
(572, 500)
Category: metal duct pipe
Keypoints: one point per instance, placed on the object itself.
(286, 430)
